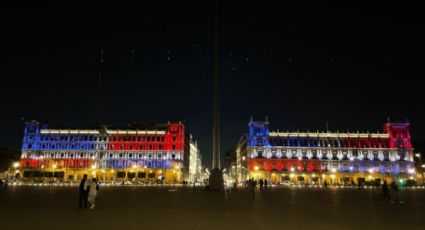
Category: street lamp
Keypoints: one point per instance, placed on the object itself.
(54, 167)
(16, 165)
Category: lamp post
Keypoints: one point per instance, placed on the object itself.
(43, 173)
(421, 167)
(422, 173)
(54, 167)
(16, 166)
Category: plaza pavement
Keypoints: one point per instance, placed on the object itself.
(125, 208)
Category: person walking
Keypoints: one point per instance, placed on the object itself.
(326, 185)
(265, 183)
(83, 192)
(395, 193)
(93, 188)
(385, 191)
(252, 188)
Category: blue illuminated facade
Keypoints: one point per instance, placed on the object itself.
(334, 157)
(153, 151)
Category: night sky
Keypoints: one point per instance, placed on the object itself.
(300, 64)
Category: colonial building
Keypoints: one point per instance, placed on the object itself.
(334, 157)
(138, 152)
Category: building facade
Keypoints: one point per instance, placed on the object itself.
(334, 157)
(154, 152)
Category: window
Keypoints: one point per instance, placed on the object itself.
(120, 155)
(173, 147)
(131, 175)
(131, 155)
(141, 175)
(120, 174)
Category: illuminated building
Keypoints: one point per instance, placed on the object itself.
(334, 157)
(139, 152)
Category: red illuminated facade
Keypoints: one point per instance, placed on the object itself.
(136, 152)
(313, 157)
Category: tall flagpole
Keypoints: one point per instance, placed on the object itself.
(216, 93)
(216, 178)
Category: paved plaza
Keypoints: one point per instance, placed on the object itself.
(154, 207)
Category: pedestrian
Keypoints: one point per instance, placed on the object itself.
(83, 192)
(251, 187)
(385, 191)
(326, 185)
(261, 183)
(265, 183)
(93, 188)
(207, 185)
(395, 193)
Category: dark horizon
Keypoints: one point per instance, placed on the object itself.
(351, 65)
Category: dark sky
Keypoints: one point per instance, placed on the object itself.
(301, 64)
